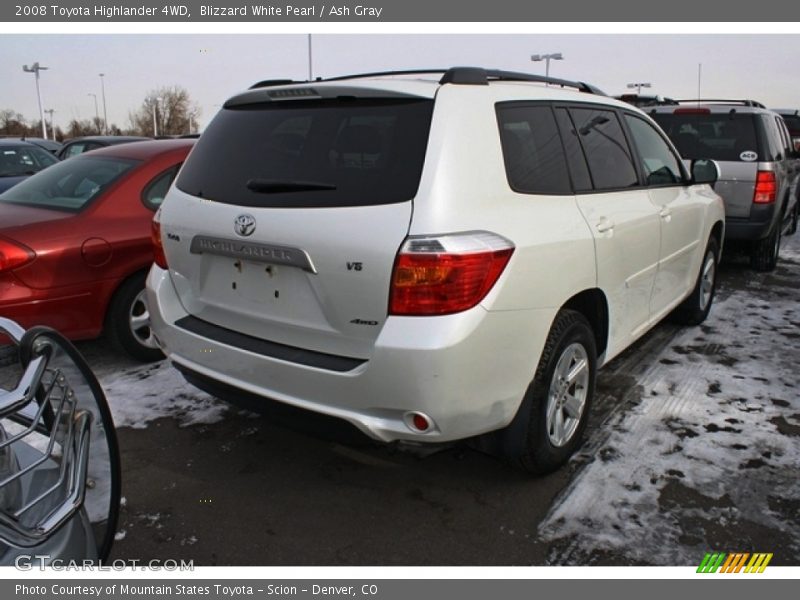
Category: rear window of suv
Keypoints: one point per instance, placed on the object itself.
(311, 153)
(720, 136)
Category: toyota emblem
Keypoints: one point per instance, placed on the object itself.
(244, 225)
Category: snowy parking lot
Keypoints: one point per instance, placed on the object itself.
(693, 445)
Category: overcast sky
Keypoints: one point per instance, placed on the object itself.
(213, 67)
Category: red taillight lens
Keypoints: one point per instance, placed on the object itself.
(14, 255)
(158, 247)
(766, 188)
(446, 274)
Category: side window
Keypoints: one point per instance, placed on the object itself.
(575, 158)
(532, 150)
(661, 167)
(785, 138)
(606, 148)
(155, 191)
(774, 144)
(74, 150)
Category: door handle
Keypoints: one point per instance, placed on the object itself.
(604, 225)
(665, 212)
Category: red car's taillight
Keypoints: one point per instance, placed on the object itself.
(441, 275)
(14, 255)
(766, 188)
(158, 247)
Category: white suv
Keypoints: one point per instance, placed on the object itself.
(429, 258)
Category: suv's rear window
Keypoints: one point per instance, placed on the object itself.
(311, 153)
(720, 136)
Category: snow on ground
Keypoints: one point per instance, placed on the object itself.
(142, 393)
(713, 444)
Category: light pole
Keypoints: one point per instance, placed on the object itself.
(105, 114)
(156, 100)
(310, 70)
(96, 112)
(35, 68)
(638, 87)
(547, 58)
(52, 128)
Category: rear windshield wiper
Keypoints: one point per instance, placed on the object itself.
(275, 186)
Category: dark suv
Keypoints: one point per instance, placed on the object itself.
(758, 162)
(791, 116)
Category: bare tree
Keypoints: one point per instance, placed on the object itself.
(172, 109)
(12, 123)
(81, 127)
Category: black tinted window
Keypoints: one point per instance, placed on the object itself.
(660, 165)
(575, 158)
(721, 136)
(23, 160)
(532, 150)
(793, 123)
(338, 152)
(605, 147)
(69, 185)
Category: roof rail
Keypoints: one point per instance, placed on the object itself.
(454, 75)
(477, 76)
(743, 102)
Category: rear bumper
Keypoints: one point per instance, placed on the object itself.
(466, 372)
(755, 227)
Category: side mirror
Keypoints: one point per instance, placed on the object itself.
(59, 459)
(705, 170)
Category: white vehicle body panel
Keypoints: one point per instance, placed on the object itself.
(467, 371)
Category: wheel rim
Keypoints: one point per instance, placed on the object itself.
(139, 322)
(707, 280)
(566, 399)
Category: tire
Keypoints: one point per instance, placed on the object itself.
(127, 323)
(764, 255)
(795, 217)
(534, 440)
(696, 307)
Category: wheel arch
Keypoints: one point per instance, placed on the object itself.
(593, 305)
(120, 283)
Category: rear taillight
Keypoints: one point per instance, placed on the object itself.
(445, 274)
(766, 188)
(796, 142)
(158, 247)
(14, 255)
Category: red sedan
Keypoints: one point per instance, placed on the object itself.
(75, 243)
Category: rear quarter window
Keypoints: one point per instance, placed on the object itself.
(311, 153)
(532, 150)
